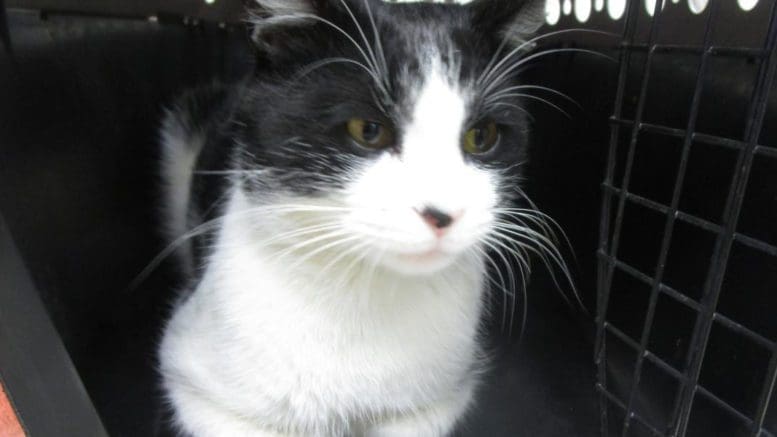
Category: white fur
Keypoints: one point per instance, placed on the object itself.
(286, 7)
(375, 335)
(180, 149)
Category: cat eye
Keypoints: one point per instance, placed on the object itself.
(481, 138)
(370, 134)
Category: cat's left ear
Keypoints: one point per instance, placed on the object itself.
(515, 19)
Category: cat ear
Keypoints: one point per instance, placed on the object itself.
(287, 7)
(271, 17)
(514, 19)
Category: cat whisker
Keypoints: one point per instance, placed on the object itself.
(522, 61)
(527, 45)
(342, 237)
(213, 224)
(378, 44)
(360, 29)
(498, 95)
(514, 106)
(500, 286)
(372, 67)
(228, 172)
(489, 243)
(169, 250)
(547, 219)
(286, 237)
(344, 276)
(507, 170)
(493, 60)
(546, 223)
(521, 256)
(541, 246)
(365, 296)
(352, 251)
(382, 73)
(540, 99)
(522, 259)
(310, 68)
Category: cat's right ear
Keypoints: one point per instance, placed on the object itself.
(272, 19)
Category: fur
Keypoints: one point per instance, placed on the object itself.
(323, 303)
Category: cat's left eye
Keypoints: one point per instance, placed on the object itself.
(370, 134)
(481, 138)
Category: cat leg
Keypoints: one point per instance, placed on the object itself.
(438, 419)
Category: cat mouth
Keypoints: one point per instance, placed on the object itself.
(426, 256)
(422, 262)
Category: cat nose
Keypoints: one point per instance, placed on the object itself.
(438, 220)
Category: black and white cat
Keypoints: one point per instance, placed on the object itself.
(345, 197)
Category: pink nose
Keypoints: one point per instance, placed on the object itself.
(438, 220)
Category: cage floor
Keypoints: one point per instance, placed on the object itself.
(543, 386)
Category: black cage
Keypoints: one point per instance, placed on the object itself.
(686, 324)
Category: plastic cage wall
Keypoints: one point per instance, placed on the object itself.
(687, 296)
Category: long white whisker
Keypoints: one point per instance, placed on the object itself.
(545, 249)
(344, 277)
(528, 44)
(359, 28)
(522, 61)
(358, 47)
(213, 224)
(520, 255)
(490, 244)
(497, 95)
(514, 106)
(540, 99)
(546, 224)
(371, 275)
(546, 217)
(494, 59)
(346, 253)
(329, 61)
(501, 286)
(379, 44)
(325, 247)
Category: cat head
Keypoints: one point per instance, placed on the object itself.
(399, 125)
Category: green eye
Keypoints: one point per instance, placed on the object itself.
(370, 134)
(481, 138)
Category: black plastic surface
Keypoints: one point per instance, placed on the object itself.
(35, 369)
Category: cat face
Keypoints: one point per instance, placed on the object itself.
(399, 123)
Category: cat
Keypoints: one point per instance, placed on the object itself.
(344, 200)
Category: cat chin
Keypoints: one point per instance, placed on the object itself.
(421, 264)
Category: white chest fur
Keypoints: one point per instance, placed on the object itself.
(259, 347)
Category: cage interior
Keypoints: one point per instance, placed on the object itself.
(686, 326)
(675, 254)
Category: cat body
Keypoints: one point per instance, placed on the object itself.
(331, 358)
(342, 201)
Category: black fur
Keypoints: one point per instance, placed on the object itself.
(284, 127)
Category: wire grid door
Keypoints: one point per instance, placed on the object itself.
(691, 393)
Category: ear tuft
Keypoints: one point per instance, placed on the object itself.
(286, 7)
(515, 19)
(274, 16)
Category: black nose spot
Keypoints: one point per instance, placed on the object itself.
(436, 218)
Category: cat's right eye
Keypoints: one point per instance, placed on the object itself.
(370, 134)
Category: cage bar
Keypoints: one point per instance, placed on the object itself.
(726, 233)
